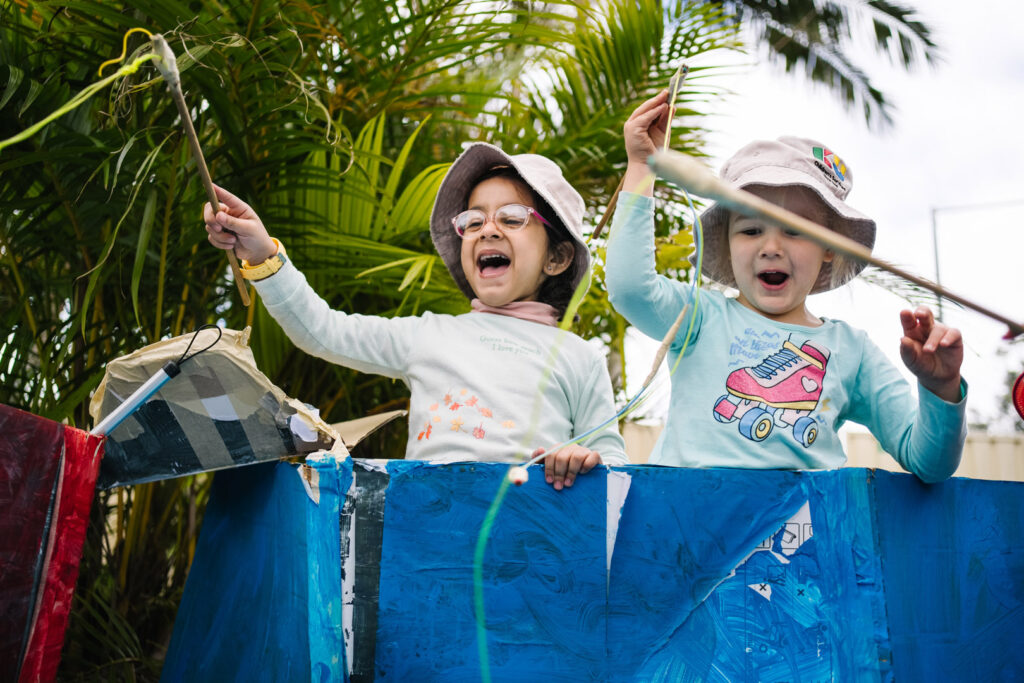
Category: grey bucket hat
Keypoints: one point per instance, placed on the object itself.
(778, 163)
(540, 173)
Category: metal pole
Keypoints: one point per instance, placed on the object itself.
(959, 207)
(935, 247)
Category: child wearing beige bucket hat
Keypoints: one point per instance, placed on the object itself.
(765, 383)
(493, 384)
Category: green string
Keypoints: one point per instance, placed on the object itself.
(478, 579)
(78, 100)
(492, 512)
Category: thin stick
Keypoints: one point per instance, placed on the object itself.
(691, 174)
(168, 67)
(675, 84)
(670, 336)
(609, 211)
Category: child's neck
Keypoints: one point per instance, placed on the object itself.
(796, 316)
(534, 311)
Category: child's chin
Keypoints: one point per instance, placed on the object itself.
(495, 300)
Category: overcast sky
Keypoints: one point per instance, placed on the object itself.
(957, 141)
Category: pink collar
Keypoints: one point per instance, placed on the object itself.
(534, 311)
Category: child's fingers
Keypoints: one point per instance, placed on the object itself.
(218, 236)
(918, 324)
(659, 99)
(575, 460)
(581, 462)
(221, 240)
(643, 122)
(651, 123)
(908, 321)
(591, 461)
(644, 133)
(909, 352)
(951, 339)
(944, 340)
(925, 320)
(231, 202)
(915, 324)
(549, 465)
(573, 463)
(924, 315)
(935, 336)
(555, 468)
(209, 215)
(243, 227)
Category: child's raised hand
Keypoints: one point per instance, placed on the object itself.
(644, 132)
(561, 467)
(236, 226)
(933, 352)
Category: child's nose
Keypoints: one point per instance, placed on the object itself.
(490, 227)
(771, 243)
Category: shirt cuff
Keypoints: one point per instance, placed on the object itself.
(284, 283)
(928, 395)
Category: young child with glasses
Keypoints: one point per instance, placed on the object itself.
(489, 385)
(764, 382)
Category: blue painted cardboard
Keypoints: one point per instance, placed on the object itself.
(263, 600)
(544, 577)
(953, 566)
(713, 575)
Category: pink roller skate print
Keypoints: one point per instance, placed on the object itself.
(782, 389)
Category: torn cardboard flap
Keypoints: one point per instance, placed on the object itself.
(310, 477)
(354, 431)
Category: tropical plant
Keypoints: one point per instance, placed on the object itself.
(336, 121)
(817, 37)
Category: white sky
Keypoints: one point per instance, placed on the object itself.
(957, 140)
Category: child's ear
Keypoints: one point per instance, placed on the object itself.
(559, 258)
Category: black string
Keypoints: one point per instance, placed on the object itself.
(210, 326)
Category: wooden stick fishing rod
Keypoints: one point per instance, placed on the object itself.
(675, 85)
(687, 172)
(167, 64)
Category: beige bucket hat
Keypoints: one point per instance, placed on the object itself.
(540, 173)
(777, 163)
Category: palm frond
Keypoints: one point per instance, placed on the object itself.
(817, 35)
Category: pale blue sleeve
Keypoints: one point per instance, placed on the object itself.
(366, 343)
(925, 435)
(649, 301)
(596, 406)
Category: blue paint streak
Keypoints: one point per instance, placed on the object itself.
(326, 634)
(243, 615)
(853, 594)
(544, 576)
(682, 532)
(953, 561)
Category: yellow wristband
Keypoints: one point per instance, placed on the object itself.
(268, 267)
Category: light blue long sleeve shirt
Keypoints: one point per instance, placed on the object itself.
(754, 393)
(483, 386)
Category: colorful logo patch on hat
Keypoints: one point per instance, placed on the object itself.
(832, 159)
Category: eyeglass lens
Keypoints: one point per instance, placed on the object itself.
(508, 217)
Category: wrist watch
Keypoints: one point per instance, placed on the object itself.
(268, 267)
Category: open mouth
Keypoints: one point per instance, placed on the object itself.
(773, 278)
(492, 264)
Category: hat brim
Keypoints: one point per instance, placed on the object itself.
(847, 221)
(476, 159)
